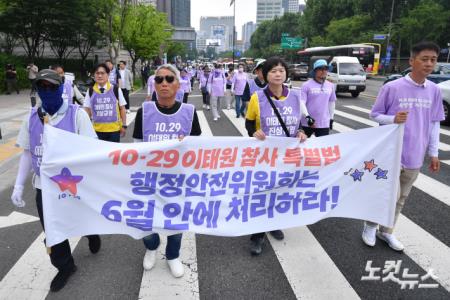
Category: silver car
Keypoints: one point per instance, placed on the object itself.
(445, 89)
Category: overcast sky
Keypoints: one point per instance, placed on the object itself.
(245, 11)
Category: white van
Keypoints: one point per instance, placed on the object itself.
(347, 75)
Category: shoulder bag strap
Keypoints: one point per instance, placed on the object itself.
(277, 113)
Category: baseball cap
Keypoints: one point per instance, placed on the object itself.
(320, 63)
(50, 76)
(258, 65)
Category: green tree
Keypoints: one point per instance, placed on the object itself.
(27, 21)
(174, 49)
(144, 31)
(90, 31)
(427, 21)
(348, 30)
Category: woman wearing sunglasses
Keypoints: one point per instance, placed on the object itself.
(184, 121)
(320, 99)
(274, 111)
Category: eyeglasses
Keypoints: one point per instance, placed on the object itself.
(45, 85)
(168, 78)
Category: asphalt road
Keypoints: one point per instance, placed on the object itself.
(323, 260)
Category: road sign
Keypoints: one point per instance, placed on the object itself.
(389, 48)
(379, 37)
(291, 42)
(238, 53)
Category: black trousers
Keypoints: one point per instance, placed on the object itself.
(205, 98)
(185, 97)
(317, 131)
(126, 95)
(61, 255)
(109, 136)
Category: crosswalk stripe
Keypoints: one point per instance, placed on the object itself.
(447, 162)
(206, 130)
(130, 117)
(30, 277)
(365, 110)
(296, 266)
(298, 254)
(239, 123)
(158, 283)
(442, 146)
(427, 251)
(425, 183)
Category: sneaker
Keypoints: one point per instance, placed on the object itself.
(128, 111)
(243, 114)
(208, 107)
(218, 116)
(60, 280)
(277, 234)
(391, 240)
(94, 243)
(204, 105)
(256, 246)
(176, 267)
(369, 235)
(238, 116)
(228, 107)
(215, 119)
(149, 259)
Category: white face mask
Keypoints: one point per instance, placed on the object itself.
(241, 70)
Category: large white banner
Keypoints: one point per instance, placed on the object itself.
(225, 186)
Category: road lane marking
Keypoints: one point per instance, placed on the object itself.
(298, 254)
(365, 110)
(158, 283)
(30, 277)
(442, 146)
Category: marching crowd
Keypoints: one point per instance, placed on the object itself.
(293, 113)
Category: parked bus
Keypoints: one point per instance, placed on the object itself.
(368, 54)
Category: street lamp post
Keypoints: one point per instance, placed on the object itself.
(448, 53)
(389, 33)
(234, 30)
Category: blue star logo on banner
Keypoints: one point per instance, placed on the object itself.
(357, 175)
(381, 174)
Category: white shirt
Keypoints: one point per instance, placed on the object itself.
(87, 98)
(122, 76)
(83, 126)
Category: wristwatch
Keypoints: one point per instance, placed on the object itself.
(124, 126)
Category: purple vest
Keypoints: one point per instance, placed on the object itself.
(240, 80)
(113, 76)
(68, 91)
(218, 84)
(157, 126)
(253, 86)
(36, 130)
(185, 84)
(104, 107)
(289, 109)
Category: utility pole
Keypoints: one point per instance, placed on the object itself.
(389, 33)
(234, 28)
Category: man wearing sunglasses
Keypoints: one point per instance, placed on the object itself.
(320, 98)
(165, 119)
(62, 115)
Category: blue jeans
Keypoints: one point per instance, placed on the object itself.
(173, 246)
(239, 108)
